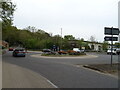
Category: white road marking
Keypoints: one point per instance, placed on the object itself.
(52, 83)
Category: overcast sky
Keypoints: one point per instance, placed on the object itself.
(80, 18)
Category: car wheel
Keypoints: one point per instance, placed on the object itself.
(13, 55)
(24, 56)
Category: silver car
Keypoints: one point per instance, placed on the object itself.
(19, 52)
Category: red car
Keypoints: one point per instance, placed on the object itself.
(10, 49)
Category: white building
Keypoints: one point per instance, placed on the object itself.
(95, 46)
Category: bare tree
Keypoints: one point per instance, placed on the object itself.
(31, 29)
(92, 38)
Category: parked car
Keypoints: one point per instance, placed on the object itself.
(19, 52)
(82, 50)
(62, 52)
(118, 51)
(48, 51)
(78, 50)
(11, 49)
(114, 51)
(72, 52)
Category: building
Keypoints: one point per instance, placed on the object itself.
(94, 46)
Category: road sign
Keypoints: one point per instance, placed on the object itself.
(111, 31)
(111, 38)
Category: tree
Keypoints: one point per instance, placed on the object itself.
(86, 46)
(92, 38)
(105, 45)
(31, 29)
(10, 35)
(81, 43)
(82, 39)
(66, 44)
(41, 31)
(117, 45)
(57, 40)
(69, 37)
(7, 9)
(0, 29)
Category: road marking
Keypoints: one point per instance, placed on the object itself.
(49, 82)
(52, 83)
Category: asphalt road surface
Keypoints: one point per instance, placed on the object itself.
(62, 73)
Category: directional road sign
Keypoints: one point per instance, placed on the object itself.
(111, 31)
(111, 38)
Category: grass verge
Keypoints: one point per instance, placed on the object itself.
(104, 68)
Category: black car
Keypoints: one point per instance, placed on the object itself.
(19, 52)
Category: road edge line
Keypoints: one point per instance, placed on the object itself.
(52, 83)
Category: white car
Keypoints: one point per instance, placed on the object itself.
(118, 51)
(114, 51)
(76, 49)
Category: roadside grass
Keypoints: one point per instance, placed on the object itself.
(104, 68)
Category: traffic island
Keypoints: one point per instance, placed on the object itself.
(104, 68)
(63, 55)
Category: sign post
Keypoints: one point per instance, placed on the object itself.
(111, 46)
(111, 31)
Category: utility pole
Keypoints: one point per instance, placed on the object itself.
(61, 39)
